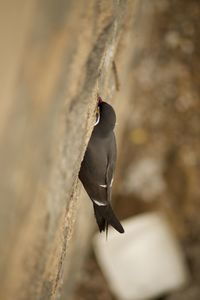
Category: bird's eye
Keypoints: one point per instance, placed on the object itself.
(97, 116)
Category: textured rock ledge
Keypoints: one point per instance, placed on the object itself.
(59, 55)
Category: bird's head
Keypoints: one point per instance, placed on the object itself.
(106, 117)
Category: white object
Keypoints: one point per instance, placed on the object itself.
(144, 262)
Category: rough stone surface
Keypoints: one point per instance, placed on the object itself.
(55, 57)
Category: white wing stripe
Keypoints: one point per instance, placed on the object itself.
(99, 203)
(111, 182)
(103, 185)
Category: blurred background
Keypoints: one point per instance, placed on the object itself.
(141, 56)
(159, 160)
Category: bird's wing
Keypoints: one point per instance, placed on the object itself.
(93, 179)
(97, 169)
(112, 155)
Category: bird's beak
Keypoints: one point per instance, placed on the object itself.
(99, 100)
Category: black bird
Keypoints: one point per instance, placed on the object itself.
(97, 168)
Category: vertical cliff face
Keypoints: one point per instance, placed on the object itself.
(55, 57)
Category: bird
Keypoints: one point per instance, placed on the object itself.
(98, 165)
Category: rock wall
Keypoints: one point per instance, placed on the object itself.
(55, 57)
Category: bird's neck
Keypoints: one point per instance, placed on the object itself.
(101, 130)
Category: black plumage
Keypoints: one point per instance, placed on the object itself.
(97, 168)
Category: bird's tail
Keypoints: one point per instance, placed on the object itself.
(105, 216)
